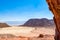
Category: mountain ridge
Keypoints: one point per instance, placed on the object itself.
(39, 22)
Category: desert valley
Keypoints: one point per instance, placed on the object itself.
(33, 29)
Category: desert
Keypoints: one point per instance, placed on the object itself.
(27, 33)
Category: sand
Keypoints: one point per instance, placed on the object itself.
(32, 33)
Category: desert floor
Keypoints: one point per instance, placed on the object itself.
(33, 33)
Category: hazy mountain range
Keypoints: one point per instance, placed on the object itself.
(14, 23)
(39, 22)
(32, 22)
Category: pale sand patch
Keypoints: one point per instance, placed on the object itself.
(27, 31)
(17, 31)
(44, 30)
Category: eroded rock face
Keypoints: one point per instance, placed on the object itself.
(54, 6)
(58, 1)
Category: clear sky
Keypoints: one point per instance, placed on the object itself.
(22, 10)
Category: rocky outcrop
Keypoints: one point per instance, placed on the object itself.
(39, 22)
(2, 25)
(54, 6)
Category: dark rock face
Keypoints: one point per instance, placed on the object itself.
(39, 22)
(2, 25)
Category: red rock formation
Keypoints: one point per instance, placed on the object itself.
(54, 6)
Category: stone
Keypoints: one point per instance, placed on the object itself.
(54, 6)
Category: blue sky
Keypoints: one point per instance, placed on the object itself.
(22, 10)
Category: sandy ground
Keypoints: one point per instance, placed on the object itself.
(30, 32)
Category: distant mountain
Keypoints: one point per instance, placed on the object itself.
(15, 23)
(39, 22)
(2, 25)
